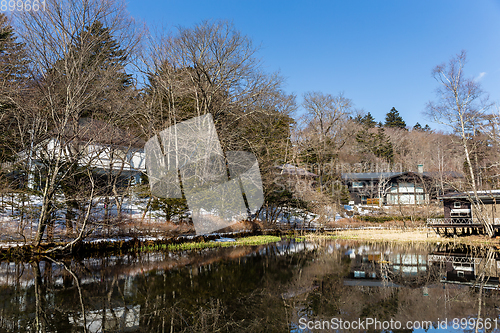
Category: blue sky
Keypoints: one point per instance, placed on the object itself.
(379, 53)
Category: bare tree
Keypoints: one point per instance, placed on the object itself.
(490, 129)
(461, 106)
(384, 186)
(212, 68)
(72, 80)
(324, 118)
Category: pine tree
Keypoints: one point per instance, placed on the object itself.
(366, 120)
(106, 52)
(376, 143)
(13, 69)
(419, 127)
(100, 61)
(96, 94)
(393, 119)
(383, 146)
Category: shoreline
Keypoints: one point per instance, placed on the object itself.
(358, 233)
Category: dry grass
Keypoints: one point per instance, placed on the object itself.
(422, 235)
(355, 223)
(415, 235)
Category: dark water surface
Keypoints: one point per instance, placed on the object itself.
(284, 287)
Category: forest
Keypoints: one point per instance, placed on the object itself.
(83, 87)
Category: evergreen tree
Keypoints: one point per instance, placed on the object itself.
(366, 120)
(393, 119)
(358, 119)
(383, 146)
(369, 121)
(376, 143)
(92, 88)
(100, 61)
(13, 69)
(419, 127)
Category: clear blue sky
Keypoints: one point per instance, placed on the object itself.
(379, 53)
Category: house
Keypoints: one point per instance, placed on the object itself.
(396, 188)
(292, 170)
(97, 145)
(467, 214)
(389, 188)
(294, 178)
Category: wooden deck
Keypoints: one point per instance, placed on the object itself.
(456, 226)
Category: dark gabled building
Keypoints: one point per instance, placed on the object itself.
(387, 187)
(465, 213)
(393, 188)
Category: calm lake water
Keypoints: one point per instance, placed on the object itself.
(285, 287)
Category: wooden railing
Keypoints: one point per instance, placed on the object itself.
(453, 220)
(454, 259)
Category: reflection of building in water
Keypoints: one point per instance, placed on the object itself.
(460, 265)
(409, 264)
(468, 268)
(384, 268)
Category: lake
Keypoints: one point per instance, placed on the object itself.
(289, 286)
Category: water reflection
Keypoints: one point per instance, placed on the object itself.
(273, 288)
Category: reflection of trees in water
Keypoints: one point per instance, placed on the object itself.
(242, 295)
(235, 294)
(409, 302)
(50, 296)
(260, 289)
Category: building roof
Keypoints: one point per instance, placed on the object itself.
(102, 132)
(293, 170)
(375, 175)
(389, 175)
(482, 195)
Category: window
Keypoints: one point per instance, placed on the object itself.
(420, 199)
(406, 187)
(391, 199)
(457, 204)
(357, 184)
(359, 274)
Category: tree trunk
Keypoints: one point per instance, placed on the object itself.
(477, 203)
(44, 219)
